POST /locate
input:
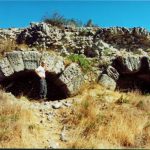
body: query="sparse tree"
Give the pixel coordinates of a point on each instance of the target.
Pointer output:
(58, 20)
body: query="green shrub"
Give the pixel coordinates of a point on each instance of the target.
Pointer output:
(58, 20)
(84, 63)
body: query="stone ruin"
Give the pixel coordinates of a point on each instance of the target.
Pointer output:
(83, 39)
(17, 75)
(128, 73)
(124, 72)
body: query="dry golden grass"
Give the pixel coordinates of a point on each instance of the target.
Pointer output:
(18, 125)
(116, 123)
(7, 45)
(11, 45)
(100, 118)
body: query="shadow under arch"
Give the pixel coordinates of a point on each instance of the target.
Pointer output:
(27, 83)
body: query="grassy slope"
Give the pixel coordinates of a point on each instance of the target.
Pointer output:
(99, 118)
(19, 125)
(106, 119)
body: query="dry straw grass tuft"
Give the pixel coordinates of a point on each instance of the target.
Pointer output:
(18, 128)
(96, 123)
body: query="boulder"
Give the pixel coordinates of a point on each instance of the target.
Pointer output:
(107, 82)
(71, 79)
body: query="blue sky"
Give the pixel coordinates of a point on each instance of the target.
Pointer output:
(103, 13)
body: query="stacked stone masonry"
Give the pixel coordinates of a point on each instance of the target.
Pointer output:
(70, 77)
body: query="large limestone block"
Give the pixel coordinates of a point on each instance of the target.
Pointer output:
(15, 59)
(71, 72)
(5, 67)
(107, 82)
(54, 63)
(72, 78)
(75, 85)
(31, 59)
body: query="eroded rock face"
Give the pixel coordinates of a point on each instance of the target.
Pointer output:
(40, 34)
(90, 41)
(128, 38)
(46, 36)
(10, 33)
(18, 63)
(114, 48)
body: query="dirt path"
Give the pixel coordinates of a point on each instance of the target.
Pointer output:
(49, 118)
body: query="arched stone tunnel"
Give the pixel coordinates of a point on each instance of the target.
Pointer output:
(28, 83)
(17, 75)
(129, 73)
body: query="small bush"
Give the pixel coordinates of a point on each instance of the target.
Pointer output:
(58, 20)
(81, 60)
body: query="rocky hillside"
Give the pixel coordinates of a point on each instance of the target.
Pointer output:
(92, 73)
(78, 38)
(117, 55)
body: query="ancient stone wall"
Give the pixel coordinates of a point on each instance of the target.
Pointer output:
(70, 77)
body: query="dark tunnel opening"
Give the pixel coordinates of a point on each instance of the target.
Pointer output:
(27, 83)
(133, 82)
(137, 79)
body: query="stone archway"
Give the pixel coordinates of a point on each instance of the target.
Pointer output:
(128, 73)
(18, 77)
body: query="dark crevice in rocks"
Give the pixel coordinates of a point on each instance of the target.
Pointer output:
(134, 81)
(134, 74)
(27, 83)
